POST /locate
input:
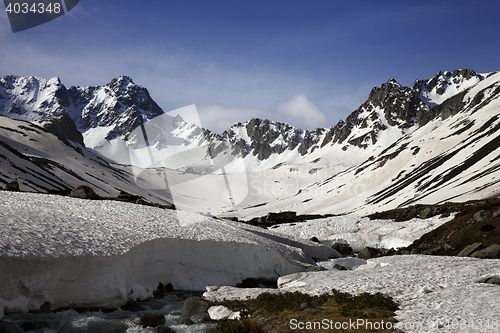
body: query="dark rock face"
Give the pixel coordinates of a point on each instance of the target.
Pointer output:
(473, 230)
(282, 216)
(133, 102)
(196, 309)
(64, 127)
(84, 192)
(12, 186)
(148, 319)
(265, 138)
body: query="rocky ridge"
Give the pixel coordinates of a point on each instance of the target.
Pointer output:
(114, 110)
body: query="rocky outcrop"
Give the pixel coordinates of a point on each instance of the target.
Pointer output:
(12, 186)
(83, 192)
(63, 126)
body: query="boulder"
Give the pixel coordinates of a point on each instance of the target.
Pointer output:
(469, 249)
(315, 239)
(482, 215)
(220, 312)
(12, 186)
(340, 268)
(425, 213)
(163, 329)
(133, 306)
(491, 252)
(170, 206)
(162, 290)
(343, 249)
(148, 319)
(369, 252)
(196, 309)
(490, 279)
(83, 192)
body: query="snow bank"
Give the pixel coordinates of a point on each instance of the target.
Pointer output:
(360, 232)
(82, 253)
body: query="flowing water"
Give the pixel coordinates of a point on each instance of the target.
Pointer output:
(118, 321)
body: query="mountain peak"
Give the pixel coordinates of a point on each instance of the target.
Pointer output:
(393, 81)
(121, 82)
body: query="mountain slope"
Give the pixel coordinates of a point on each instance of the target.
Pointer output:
(42, 162)
(450, 158)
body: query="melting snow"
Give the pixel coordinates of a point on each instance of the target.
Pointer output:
(360, 232)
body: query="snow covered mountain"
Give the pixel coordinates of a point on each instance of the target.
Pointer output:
(262, 165)
(108, 115)
(453, 156)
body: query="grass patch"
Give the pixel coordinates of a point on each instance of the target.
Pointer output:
(283, 312)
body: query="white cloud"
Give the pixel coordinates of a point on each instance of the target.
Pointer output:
(300, 110)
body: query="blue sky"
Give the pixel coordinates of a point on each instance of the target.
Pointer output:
(309, 63)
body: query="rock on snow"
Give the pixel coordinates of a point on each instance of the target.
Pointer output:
(83, 253)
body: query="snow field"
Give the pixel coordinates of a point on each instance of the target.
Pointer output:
(360, 232)
(72, 252)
